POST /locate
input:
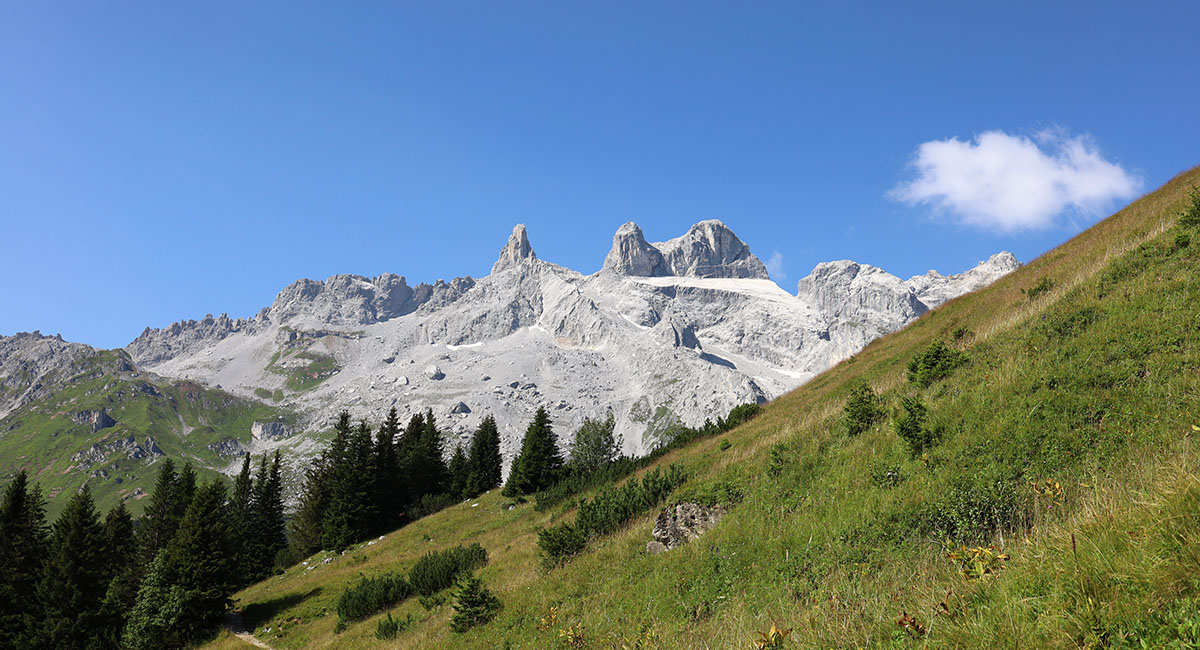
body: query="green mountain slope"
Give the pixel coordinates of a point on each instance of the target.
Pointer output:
(98, 419)
(1052, 500)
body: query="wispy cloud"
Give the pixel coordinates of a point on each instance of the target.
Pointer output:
(1013, 182)
(775, 266)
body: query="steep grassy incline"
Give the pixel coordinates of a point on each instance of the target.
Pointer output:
(1064, 440)
(145, 419)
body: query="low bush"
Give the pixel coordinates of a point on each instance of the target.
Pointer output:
(474, 604)
(912, 429)
(935, 362)
(1042, 286)
(607, 511)
(388, 628)
(863, 408)
(370, 595)
(438, 570)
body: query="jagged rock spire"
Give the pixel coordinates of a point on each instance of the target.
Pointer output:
(632, 255)
(516, 251)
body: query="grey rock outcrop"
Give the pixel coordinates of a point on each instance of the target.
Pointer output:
(270, 430)
(684, 522)
(96, 420)
(34, 366)
(631, 254)
(708, 249)
(516, 251)
(933, 288)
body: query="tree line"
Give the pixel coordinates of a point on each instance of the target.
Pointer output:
(163, 581)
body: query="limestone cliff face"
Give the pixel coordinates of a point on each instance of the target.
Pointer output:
(709, 249)
(665, 333)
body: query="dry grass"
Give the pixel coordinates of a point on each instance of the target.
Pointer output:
(825, 551)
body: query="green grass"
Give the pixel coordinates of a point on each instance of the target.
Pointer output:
(183, 418)
(1093, 386)
(318, 368)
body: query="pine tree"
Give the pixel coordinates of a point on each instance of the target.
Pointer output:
(484, 463)
(538, 465)
(351, 514)
(124, 574)
(158, 520)
(308, 525)
(189, 583)
(74, 578)
(22, 550)
(267, 532)
(389, 490)
(202, 559)
(457, 470)
(240, 514)
(427, 470)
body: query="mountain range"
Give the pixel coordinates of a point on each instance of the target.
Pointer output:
(664, 334)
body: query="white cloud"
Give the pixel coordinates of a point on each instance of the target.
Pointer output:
(1010, 183)
(775, 266)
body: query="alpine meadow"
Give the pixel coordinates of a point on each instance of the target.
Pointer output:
(1017, 468)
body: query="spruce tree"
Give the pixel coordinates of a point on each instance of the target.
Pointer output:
(351, 515)
(240, 514)
(427, 470)
(267, 532)
(389, 492)
(22, 551)
(202, 561)
(158, 520)
(484, 463)
(75, 578)
(187, 588)
(308, 525)
(124, 572)
(457, 470)
(538, 465)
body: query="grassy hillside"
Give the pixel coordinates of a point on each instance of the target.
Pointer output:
(186, 421)
(1064, 440)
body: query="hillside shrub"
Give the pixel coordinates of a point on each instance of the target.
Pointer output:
(1190, 217)
(388, 628)
(576, 481)
(1042, 286)
(474, 604)
(438, 570)
(370, 595)
(935, 362)
(911, 427)
(607, 511)
(974, 507)
(863, 408)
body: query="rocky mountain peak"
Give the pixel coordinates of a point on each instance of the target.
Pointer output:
(516, 251)
(631, 254)
(709, 249)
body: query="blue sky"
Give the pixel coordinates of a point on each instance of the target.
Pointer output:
(161, 161)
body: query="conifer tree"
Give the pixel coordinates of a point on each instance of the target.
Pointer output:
(158, 520)
(124, 574)
(75, 577)
(351, 514)
(484, 463)
(308, 525)
(427, 470)
(188, 586)
(457, 471)
(267, 532)
(240, 513)
(538, 465)
(22, 548)
(388, 488)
